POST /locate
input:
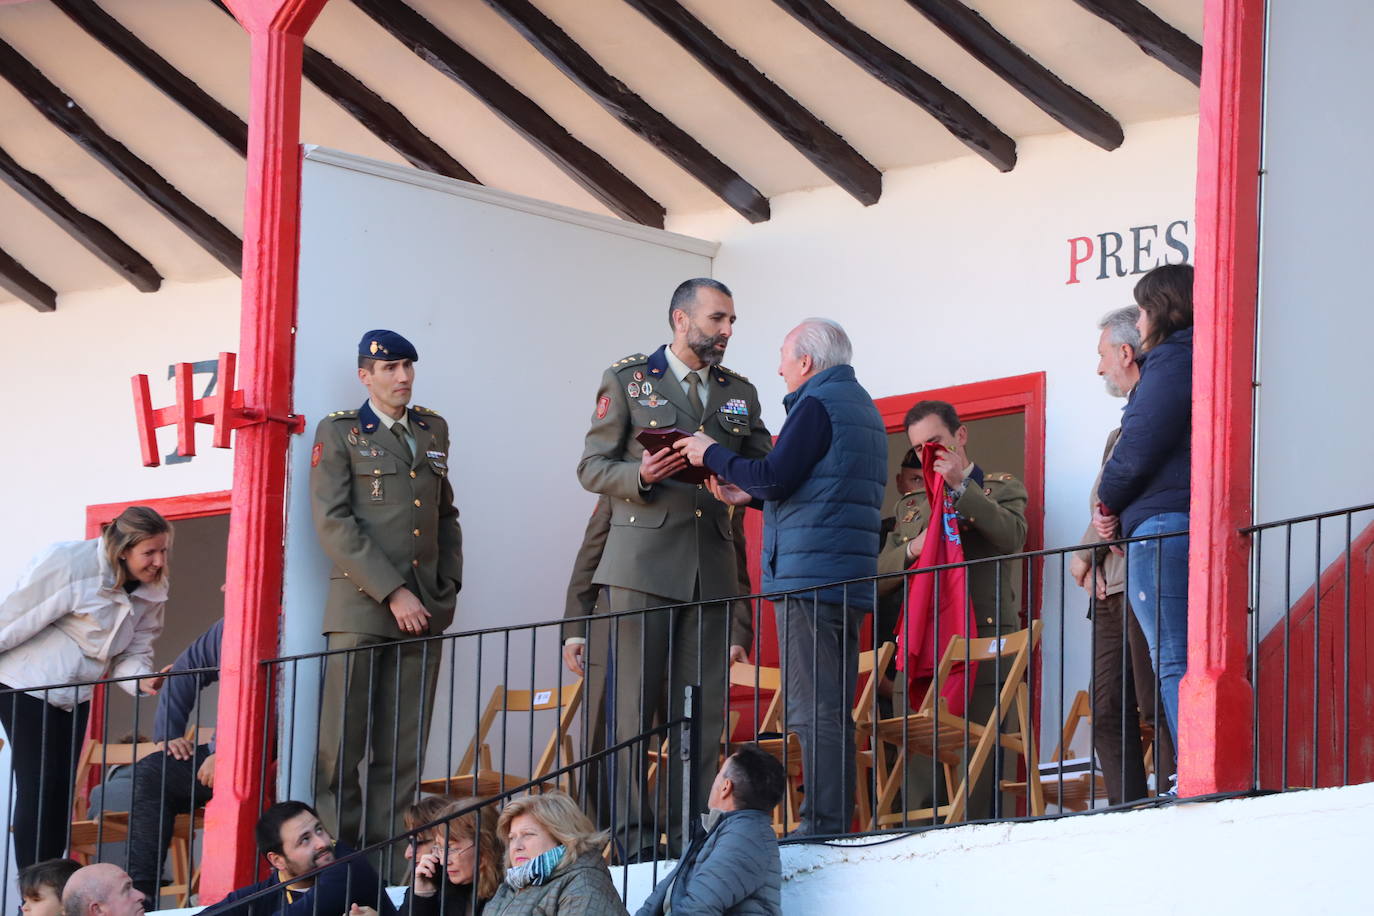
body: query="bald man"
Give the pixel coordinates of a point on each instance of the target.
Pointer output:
(101, 890)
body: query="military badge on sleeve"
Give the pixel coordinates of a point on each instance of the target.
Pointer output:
(603, 404)
(315, 454)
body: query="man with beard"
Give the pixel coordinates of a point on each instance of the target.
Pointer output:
(295, 843)
(670, 542)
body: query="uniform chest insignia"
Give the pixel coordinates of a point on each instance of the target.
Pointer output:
(910, 516)
(647, 388)
(735, 407)
(377, 490)
(632, 389)
(639, 375)
(431, 453)
(353, 438)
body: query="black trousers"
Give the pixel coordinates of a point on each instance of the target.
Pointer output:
(45, 742)
(163, 788)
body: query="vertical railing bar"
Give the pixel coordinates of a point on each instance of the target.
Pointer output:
(1287, 637)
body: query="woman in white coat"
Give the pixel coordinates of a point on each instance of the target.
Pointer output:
(84, 610)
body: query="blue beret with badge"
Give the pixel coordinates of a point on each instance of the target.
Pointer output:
(386, 346)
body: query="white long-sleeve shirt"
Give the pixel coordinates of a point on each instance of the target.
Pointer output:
(66, 621)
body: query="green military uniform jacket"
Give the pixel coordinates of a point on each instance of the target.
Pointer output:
(583, 592)
(992, 523)
(664, 537)
(385, 522)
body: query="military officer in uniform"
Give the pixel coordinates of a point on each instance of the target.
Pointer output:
(992, 523)
(384, 514)
(669, 543)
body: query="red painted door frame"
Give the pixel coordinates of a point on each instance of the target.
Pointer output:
(1216, 702)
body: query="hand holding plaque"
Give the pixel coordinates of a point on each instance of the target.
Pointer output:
(655, 440)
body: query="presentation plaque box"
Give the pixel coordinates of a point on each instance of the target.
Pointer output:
(655, 440)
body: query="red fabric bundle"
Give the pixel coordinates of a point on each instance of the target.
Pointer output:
(917, 653)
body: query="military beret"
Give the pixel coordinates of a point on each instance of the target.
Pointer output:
(386, 346)
(911, 460)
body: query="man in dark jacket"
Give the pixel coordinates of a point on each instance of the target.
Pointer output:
(295, 843)
(821, 489)
(180, 778)
(732, 867)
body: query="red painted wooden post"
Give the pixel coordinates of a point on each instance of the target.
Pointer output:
(1216, 701)
(252, 601)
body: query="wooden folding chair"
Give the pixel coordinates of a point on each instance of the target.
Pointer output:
(789, 752)
(934, 731)
(476, 774)
(1076, 788)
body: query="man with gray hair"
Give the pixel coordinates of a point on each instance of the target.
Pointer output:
(821, 491)
(101, 890)
(1102, 572)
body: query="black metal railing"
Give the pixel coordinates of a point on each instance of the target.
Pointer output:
(92, 776)
(1048, 702)
(1312, 598)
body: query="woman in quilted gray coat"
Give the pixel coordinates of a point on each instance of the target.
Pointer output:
(554, 862)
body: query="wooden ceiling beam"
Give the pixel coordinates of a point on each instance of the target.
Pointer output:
(384, 120)
(889, 67)
(63, 112)
(578, 161)
(93, 235)
(378, 115)
(825, 148)
(15, 278)
(1027, 76)
(167, 79)
(1155, 37)
(631, 110)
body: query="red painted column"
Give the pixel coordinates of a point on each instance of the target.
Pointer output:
(252, 601)
(1216, 702)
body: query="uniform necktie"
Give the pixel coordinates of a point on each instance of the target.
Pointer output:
(399, 432)
(694, 395)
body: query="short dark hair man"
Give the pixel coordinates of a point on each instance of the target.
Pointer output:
(732, 866)
(668, 543)
(384, 515)
(821, 490)
(992, 523)
(295, 843)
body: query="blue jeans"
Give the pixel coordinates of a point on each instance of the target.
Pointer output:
(1158, 586)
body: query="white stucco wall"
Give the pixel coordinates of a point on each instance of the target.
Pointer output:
(1225, 857)
(72, 408)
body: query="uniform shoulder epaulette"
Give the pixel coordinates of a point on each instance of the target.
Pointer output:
(418, 409)
(728, 371)
(344, 413)
(634, 360)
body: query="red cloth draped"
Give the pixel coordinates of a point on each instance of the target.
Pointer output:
(917, 653)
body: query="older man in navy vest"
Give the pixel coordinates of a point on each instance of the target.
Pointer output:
(821, 491)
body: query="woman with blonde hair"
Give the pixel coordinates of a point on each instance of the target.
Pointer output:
(462, 845)
(553, 854)
(82, 611)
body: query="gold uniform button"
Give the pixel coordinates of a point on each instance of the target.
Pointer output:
(700, 487)
(376, 472)
(414, 562)
(989, 620)
(698, 513)
(416, 532)
(653, 422)
(412, 474)
(417, 504)
(632, 519)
